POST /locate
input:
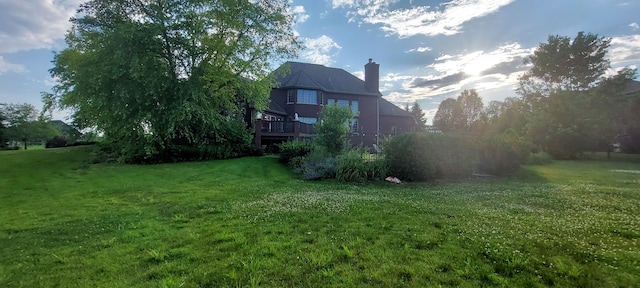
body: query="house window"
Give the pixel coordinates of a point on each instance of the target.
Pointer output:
(321, 98)
(355, 125)
(343, 103)
(290, 96)
(308, 120)
(354, 107)
(307, 96)
(331, 101)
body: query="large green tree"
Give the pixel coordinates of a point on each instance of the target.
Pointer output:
(168, 80)
(565, 64)
(461, 114)
(564, 90)
(471, 106)
(449, 115)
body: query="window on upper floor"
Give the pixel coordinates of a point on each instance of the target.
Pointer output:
(354, 108)
(343, 103)
(307, 96)
(346, 103)
(308, 120)
(290, 97)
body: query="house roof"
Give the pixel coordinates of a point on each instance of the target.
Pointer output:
(389, 109)
(319, 77)
(632, 87)
(275, 108)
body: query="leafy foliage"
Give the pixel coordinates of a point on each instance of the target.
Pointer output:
(317, 165)
(354, 166)
(449, 115)
(566, 64)
(539, 158)
(294, 149)
(169, 80)
(502, 154)
(471, 108)
(429, 157)
(22, 123)
(418, 115)
(331, 131)
(461, 114)
(56, 142)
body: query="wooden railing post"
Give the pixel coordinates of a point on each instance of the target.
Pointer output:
(296, 129)
(258, 135)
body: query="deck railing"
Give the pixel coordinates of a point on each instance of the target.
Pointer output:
(281, 129)
(286, 127)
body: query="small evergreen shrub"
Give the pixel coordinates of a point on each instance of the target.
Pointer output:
(294, 149)
(540, 158)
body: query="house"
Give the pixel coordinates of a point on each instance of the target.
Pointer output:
(297, 103)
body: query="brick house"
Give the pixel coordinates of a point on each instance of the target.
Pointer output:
(297, 103)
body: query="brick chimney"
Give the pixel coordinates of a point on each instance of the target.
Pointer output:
(372, 77)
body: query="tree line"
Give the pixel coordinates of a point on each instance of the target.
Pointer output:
(566, 103)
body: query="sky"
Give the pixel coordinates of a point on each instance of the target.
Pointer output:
(427, 50)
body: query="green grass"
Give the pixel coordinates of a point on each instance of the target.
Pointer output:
(250, 222)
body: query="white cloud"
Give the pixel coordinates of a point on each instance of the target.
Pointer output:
(634, 26)
(624, 50)
(478, 62)
(6, 67)
(34, 24)
(447, 19)
(320, 50)
(300, 14)
(359, 74)
(494, 70)
(419, 49)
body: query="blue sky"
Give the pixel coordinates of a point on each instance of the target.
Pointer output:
(427, 50)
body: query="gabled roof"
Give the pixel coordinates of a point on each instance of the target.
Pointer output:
(319, 77)
(389, 109)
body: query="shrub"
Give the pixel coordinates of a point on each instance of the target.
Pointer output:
(11, 148)
(319, 168)
(292, 149)
(540, 158)
(354, 167)
(55, 142)
(503, 153)
(428, 156)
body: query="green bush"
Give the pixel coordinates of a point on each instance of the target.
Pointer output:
(503, 153)
(428, 156)
(540, 158)
(319, 168)
(353, 167)
(318, 164)
(291, 150)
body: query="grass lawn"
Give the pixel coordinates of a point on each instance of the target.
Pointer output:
(250, 222)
